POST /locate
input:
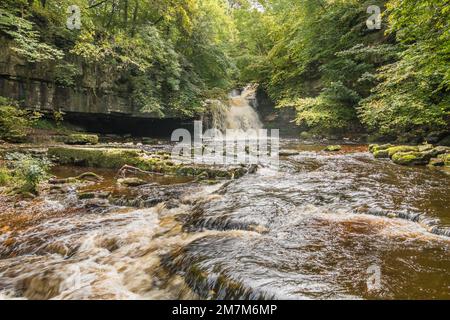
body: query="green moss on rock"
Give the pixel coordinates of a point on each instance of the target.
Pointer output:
(376, 147)
(409, 158)
(158, 163)
(81, 139)
(401, 149)
(446, 158)
(333, 148)
(96, 157)
(425, 147)
(381, 154)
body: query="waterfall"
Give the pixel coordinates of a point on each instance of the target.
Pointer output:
(237, 115)
(241, 115)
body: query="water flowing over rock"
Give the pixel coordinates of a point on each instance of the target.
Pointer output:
(238, 114)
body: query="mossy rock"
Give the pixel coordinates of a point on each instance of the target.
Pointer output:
(381, 154)
(425, 147)
(403, 149)
(409, 158)
(333, 148)
(305, 135)
(437, 162)
(117, 158)
(376, 147)
(446, 158)
(81, 139)
(97, 157)
(86, 195)
(372, 147)
(436, 152)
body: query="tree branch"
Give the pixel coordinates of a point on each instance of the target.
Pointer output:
(97, 4)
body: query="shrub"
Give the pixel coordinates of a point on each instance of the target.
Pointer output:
(5, 176)
(14, 123)
(28, 172)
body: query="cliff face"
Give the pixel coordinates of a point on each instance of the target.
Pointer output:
(273, 118)
(94, 102)
(35, 85)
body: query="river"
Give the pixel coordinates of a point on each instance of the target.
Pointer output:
(318, 227)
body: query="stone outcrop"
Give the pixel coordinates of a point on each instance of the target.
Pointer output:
(413, 155)
(156, 163)
(95, 99)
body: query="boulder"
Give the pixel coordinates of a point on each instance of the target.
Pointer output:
(381, 154)
(81, 139)
(445, 158)
(305, 135)
(435, 152)
(376, 147)
(402, 149)
(425, 147)
(159, 163)
(410, 158)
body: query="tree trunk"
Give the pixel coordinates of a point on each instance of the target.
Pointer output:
(125, 14)
(135, 14)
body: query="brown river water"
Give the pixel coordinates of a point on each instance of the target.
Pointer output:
(310, 230)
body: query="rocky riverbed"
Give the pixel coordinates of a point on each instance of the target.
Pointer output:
(311, 228)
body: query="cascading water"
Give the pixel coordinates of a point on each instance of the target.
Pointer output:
(241, 115)
(238, 114)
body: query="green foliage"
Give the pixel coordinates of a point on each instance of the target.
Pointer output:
(5, 176)
(15, 123)
(65, 74)
(26, 39)
(28, 172)
(413, 93)
(167, 56)
(320, 58)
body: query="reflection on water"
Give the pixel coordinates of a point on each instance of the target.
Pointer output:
(306, 231)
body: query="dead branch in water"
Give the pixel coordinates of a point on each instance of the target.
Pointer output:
(130, 169)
